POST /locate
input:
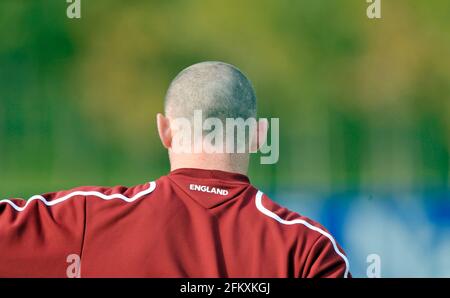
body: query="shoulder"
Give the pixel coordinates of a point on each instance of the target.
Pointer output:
(119, 192)
(280, 215)
(318, 244)
(73, 196)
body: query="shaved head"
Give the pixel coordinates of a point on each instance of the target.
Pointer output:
(218, 89)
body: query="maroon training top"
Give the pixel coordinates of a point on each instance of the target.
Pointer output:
(190, 223)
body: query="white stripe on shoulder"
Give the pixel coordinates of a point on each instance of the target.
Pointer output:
(265, 211)
(151, 187)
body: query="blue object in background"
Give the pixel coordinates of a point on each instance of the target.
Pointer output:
(410, 232)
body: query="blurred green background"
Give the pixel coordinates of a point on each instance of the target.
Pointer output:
(363, 104)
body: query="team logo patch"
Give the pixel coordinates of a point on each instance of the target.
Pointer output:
(208, 189)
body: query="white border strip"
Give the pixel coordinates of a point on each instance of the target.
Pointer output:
(265, 211)
(152, 186)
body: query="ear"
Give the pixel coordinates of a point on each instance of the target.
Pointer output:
(261, 135)
(164, 131)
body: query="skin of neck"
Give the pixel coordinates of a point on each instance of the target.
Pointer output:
(235, 163)
(228, 162)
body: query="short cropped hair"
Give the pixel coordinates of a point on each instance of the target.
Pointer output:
(218, 89)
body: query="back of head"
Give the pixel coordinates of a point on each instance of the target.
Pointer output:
(218, 89)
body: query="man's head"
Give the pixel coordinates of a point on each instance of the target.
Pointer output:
(220, 91)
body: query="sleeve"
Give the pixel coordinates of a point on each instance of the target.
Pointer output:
(42, 237)
(326, 259)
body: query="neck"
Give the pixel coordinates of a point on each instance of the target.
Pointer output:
(235, 163)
